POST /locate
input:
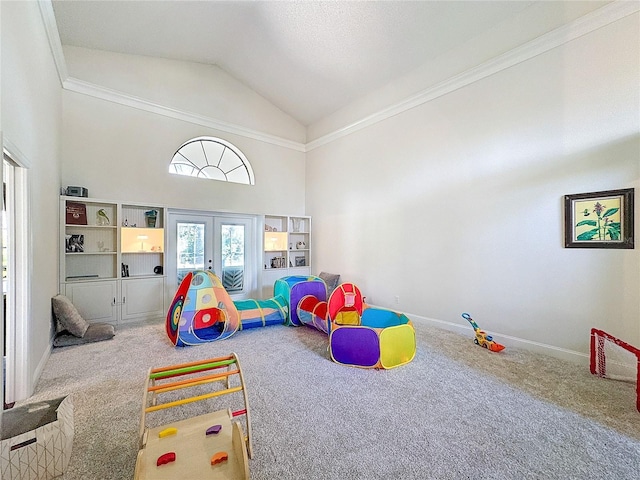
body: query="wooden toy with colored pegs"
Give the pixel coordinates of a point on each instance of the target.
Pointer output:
(209, 446)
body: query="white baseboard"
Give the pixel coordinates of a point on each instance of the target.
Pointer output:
(38, 371)
(506, 340)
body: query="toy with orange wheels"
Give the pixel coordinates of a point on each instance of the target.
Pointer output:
(482, 338)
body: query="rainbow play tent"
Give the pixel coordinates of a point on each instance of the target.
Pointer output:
(202, 311)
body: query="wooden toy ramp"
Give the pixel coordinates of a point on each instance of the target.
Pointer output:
(208, 446)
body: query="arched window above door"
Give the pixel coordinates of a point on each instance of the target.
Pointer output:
(213, 158)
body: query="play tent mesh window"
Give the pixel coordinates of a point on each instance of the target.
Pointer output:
(213, 158)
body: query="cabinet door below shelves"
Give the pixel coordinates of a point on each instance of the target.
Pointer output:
(269, 278)
(142, 298)
(95, 301)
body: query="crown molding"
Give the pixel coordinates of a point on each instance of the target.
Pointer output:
(581, 26)
(86, 88)
(51, 27)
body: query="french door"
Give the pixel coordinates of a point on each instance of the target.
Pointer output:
(223, 244)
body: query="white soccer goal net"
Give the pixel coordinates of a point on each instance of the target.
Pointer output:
(615, 359)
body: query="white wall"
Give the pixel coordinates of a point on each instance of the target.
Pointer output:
(31, 115)
(190, 87)
(456, 205)
(533, 21)
(122, 153)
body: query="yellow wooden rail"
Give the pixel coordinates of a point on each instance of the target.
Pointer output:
(192, 399)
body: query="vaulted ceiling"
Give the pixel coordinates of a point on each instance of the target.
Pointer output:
(312, 58)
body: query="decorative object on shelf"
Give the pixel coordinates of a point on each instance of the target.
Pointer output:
(278, 262)
(124, 270)
(150, 218)
(295, 225)
(77, 192)
(275, 241)
(599, 219)
(157, 270)
(102, 219)
(269, 228)
(142, 238)
(74, 243)
(301, 245)
(76, 213)
(301, 262)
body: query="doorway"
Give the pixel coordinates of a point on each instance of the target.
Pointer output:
(15, 286)
(224, 244)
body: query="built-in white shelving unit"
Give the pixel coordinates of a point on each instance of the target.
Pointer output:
(286, 248)
(112, 259)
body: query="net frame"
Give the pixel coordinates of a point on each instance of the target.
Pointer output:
(598, 361)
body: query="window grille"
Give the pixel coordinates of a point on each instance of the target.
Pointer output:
(213, 158)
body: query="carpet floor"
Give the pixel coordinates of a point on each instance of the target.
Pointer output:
(456, 411)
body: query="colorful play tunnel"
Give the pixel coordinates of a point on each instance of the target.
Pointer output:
(202, 311)
(384, 339)
(359, 336)
(294, 287)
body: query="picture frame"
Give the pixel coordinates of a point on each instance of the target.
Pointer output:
(599, 219)
(76, 213)
(301, 261)
(74, 243)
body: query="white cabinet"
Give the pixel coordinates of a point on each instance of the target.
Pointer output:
(142, 298)
(95, 301)
(112, 259)
(286, 249)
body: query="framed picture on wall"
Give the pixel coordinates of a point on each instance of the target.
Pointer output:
(599, 219)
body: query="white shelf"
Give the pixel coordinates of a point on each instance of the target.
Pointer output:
(280, 241)
(75, 225)
(93, 277)
(79, 254)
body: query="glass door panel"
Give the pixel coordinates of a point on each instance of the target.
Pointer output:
(232, 257)
(190, 247)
